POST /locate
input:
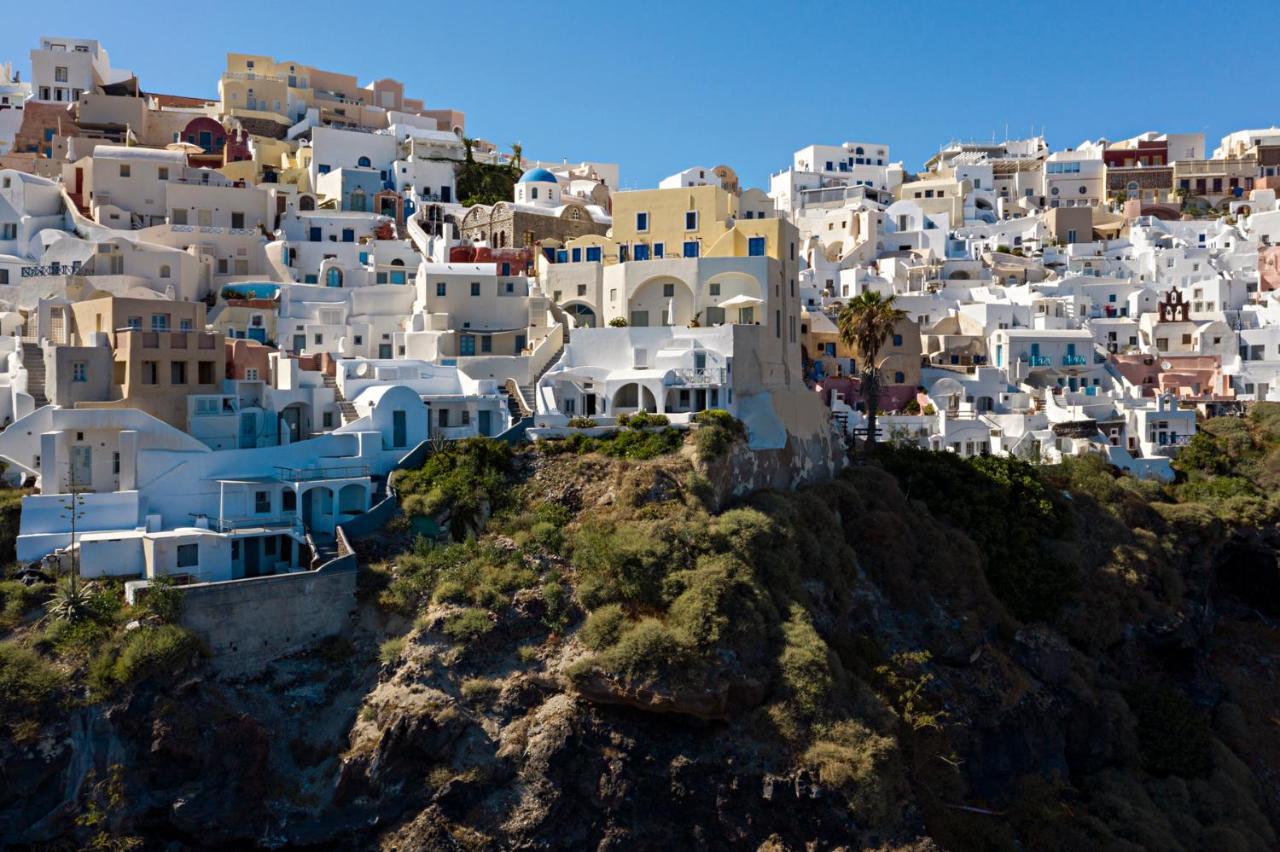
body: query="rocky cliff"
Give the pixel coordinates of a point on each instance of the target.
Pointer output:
(923, 652)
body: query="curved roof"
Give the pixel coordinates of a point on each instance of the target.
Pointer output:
(538, 175)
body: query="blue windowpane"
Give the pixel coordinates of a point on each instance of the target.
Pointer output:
(755, 247)
(593, 254)
(642, 252)
(562, 256)
(691, 249)
(577, 255)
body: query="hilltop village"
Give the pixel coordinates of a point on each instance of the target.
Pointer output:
(225, 322)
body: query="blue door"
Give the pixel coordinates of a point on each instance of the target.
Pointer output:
(468, 345)
(485, 422)
(299, 342)
(520, 341)
(259, 334)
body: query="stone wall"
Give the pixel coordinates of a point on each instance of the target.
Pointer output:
(247, 623)
(810, 460)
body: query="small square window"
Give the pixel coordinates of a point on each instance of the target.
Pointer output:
(188, 555)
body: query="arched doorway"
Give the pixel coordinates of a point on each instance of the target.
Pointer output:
(634, 397)
(333, 278)
(583, 315)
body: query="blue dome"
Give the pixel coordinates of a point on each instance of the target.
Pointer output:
(537, 176)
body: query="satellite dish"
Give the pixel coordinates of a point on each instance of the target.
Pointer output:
(363, 370)
(1165, 365)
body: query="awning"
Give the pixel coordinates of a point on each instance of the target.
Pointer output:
(741, 302)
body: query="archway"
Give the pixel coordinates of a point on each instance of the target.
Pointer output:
(634, 397)
(351, 499)
(661, 301)
(306, 202)
(583, 315)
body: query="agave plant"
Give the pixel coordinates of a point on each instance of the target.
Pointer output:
(71, 600)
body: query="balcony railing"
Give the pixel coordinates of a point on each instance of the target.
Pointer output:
(1037, 360)
(1074, 360)
(700, 375)
(310, 474)
(229, 525)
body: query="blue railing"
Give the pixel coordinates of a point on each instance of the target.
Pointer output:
(1073, 360)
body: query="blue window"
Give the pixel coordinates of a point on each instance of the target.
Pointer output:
(323, 168)
(691, 248)
(475, 288)
(48, 134)
(899, 378)
(642, 251)
(333, 278)
(691, 220)
(755, 247)
(348, 235)
(550, 254)
(622, 254)
(1111, 298)
(397, 277)
(364, 257)
(593, 254)
(364, 163)
(897, 340)
(314, 235)
(308, 279)
(577, 255)
(642, 221)
(658, 249)
(442, 289)
(562, 256)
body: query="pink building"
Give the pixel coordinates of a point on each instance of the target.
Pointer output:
(1184, 376)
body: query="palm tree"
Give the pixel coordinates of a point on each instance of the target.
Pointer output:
(865, 323)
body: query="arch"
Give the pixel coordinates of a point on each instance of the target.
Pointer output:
(364, 163)
(634, 396)
(166, 271)
(351, 499)
(584, 316)
(655, 296)
(958, 275)
(333, 278)
(306, 202)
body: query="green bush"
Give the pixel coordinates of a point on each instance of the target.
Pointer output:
(719, 601)
(389, 651)
(17, 599)
(29, 684)
(620, 561)
(468, 625)
(144, 653)
(805, 665)
(469, 572)
(618, 322)
(581, 422)
(718, 430)
(604, 627)
(643, 420)
(1173, 735)
(558, 606)
(649, 651)
(628, 444)
(463, 478)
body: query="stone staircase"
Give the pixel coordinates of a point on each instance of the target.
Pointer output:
(527, 390)
(33, 360)
(347, 410)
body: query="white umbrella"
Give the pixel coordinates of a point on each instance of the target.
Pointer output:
(741, 302)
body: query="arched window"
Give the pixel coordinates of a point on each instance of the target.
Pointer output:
(333, 277)
(306, 202)
(364, 163)
(858, 151)
(165, 271)
(397, 273)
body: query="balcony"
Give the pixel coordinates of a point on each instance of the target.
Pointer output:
(1036, 360)
(1074, 360)
(311, 474)
(699, 376)
(230, 525)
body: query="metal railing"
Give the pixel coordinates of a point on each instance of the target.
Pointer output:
(310, 474)
(701, 375)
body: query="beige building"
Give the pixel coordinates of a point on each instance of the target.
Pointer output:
(161, 353)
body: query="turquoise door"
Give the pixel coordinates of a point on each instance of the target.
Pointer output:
(486, 418)
(468, 345)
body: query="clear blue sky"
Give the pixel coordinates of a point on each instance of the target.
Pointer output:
(660, 86)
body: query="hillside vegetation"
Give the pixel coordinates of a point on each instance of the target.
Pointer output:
(925, 652)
